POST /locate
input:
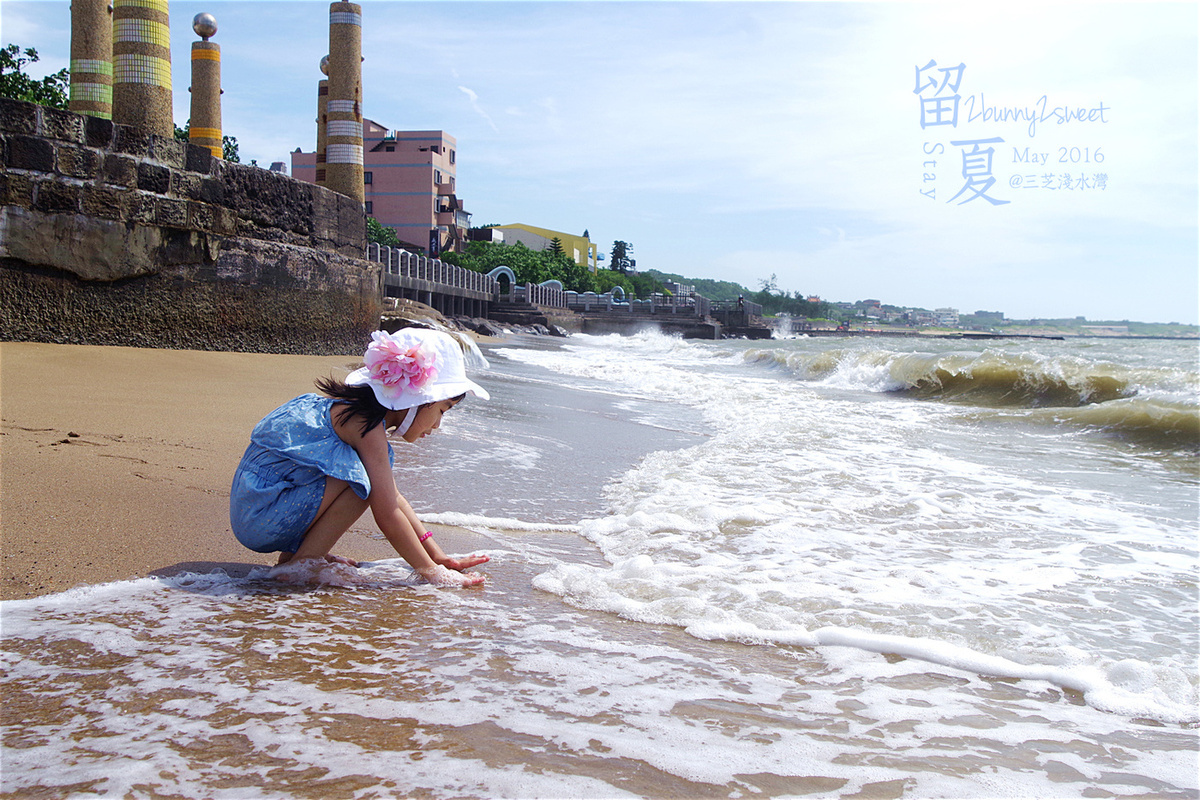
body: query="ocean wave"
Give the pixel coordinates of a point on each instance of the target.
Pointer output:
(1156, 423)
(641, 590)
(991, 378)
(455, 519)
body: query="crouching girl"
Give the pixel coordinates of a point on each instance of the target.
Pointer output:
(316, 463)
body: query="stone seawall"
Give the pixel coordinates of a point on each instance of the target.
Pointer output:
(112, 237)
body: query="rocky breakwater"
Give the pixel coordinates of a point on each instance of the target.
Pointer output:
(110, 236)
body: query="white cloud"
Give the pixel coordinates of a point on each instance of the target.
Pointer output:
(478, 109)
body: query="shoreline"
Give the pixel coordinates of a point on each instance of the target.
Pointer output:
(116, 461)
(914, 334)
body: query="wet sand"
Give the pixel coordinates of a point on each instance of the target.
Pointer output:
(115, 462)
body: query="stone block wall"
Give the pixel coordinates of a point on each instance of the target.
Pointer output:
(110, 236)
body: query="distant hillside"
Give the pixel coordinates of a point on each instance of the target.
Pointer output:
(1079, 326)
(774, 302)
(713, 290)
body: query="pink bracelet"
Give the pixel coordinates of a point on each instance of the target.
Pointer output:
(424, 536)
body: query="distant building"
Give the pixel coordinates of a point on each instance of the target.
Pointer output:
(918, 317)
(946, 317)
(492, 234)
(410, 183)
(280, 167)
(577, 248)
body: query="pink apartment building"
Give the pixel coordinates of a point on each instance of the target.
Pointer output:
(410, 185)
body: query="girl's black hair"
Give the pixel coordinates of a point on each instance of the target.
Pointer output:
(358, 401)
(355, 401)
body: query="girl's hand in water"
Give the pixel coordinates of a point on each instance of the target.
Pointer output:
(464, 563)
(439, 575)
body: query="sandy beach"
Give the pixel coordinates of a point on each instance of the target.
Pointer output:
(115, 462)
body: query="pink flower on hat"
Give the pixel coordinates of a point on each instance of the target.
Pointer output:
(397, 368)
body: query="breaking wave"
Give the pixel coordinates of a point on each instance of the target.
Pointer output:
(1153, 406)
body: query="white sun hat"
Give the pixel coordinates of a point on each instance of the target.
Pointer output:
(414, 366)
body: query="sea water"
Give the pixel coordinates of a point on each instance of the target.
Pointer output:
(816, 566)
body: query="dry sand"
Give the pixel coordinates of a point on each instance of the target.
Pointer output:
(115, 462)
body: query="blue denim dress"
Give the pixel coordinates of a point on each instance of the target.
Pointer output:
(280, 481)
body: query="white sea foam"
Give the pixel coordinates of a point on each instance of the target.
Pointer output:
(350, 686)
(478, 522)
(804, 510)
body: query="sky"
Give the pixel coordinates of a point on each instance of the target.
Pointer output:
(849, 150)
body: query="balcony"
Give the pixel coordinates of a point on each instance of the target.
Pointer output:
(446, 189)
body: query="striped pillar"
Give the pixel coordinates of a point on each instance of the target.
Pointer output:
(322, 102)
(343, 128)
(142, 66)
(91, 58)
(205, 128)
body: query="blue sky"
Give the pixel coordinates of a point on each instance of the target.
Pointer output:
(740, 140)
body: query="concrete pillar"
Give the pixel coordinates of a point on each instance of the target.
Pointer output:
(142, 66)
(91, 58)
(205, 127)
(322, 114)
(344, 139)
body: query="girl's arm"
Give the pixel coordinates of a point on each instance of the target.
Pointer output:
(392, 512)
(431, 547)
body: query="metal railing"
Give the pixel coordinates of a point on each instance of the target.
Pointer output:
(540, 295)
(412, 265)
(658, 303)
(405, 264)
(737, 306)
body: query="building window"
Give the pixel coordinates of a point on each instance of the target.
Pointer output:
(370, 207)
(367, 177)
(451, 156)
(389, 148)
(437, 177)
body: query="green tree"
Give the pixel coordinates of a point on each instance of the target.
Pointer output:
(619, 259)
(556, 247)
(49, 91)
(529, 266)
(229, 144)
(606, 279)
(575, 277)
(381, 234)
(645, 285)
(712, 289)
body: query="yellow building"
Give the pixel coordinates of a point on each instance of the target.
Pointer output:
(578, 248)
